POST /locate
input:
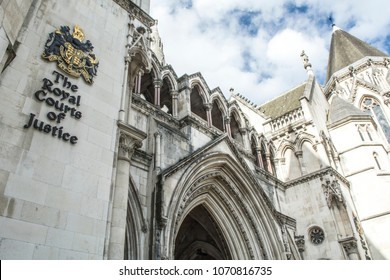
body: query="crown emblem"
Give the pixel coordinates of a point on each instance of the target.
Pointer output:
(72, 54)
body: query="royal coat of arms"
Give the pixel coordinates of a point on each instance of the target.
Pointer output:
(73, 56)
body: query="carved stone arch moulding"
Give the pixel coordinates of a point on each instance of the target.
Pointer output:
(218, 185)
(211, 176)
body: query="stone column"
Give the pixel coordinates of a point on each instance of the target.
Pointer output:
(259, 157)
(350, 248)
(269, 164)
(227, 126)
(245, 139)
(157, 89)
(174, 95)
(298, 154)
(138, 82)
(130, 139)
(122, 111)
(157, 151)
(209, 107)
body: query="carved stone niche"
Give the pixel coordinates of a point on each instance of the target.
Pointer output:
(130, 138)
(332, 191)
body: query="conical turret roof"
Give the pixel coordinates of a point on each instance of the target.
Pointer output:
(346, 49)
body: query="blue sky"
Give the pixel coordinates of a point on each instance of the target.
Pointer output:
(254, 46)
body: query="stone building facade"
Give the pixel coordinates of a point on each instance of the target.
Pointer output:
(105, 153)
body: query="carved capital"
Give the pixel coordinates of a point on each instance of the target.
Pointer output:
(350, 246)
(157, 83)
(208, 106)
(130, 138)
(174, 94)
(127, 145)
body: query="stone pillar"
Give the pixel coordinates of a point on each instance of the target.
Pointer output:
(350, 248)
(157, 151)
(130, 139)
(174, 95)
(122, 111)
(298, 154)
(245, 139)
(157, 89)
(138, 82)
(259, 157)
(209, 107)
(227, 126)
(269, 164)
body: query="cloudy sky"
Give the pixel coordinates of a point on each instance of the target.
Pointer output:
(254, 46)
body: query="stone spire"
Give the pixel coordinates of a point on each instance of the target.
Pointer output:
(346, 49)
(156, 44)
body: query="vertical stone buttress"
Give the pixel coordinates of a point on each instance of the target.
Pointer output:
(130, 139)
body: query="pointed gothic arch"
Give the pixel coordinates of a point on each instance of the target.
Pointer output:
(198, 99)
(217, 114)
(249, 231)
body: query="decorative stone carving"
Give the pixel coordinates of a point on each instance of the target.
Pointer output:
(136, 11)
(350, 247)
(332, 191)
(300, 242)
(127, 145)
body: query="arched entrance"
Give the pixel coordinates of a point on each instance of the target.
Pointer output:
(200, 238)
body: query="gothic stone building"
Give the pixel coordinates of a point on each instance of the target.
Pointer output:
(105, 153)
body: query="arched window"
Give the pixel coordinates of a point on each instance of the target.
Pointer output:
(235, 129)
(216, 116)
(165, 96)
(373, 107)
(292, 168)
(147, 87)
(197, 106)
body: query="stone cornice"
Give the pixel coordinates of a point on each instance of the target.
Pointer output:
(136, 11)
(350, 119)
(147, 108)
(316, 175)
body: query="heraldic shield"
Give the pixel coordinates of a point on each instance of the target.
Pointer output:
(72, 55)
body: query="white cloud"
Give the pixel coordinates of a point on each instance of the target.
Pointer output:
(255, 46)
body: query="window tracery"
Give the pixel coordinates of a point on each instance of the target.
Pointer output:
(316, 235)
(372, 106)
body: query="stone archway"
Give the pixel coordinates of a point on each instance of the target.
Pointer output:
(200, 238)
